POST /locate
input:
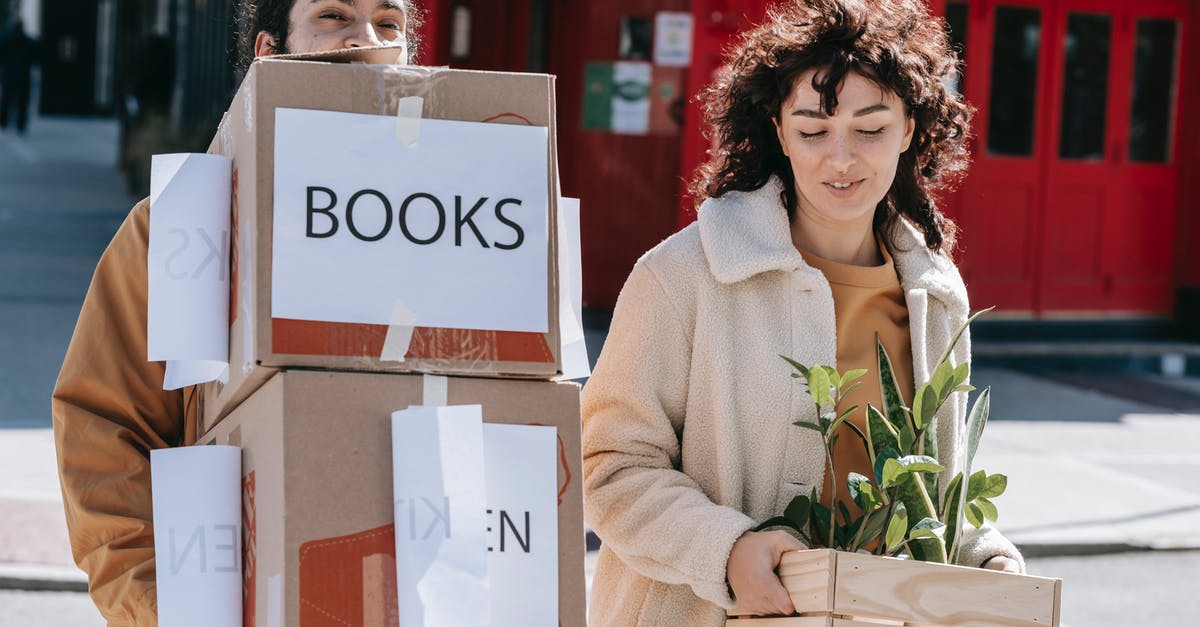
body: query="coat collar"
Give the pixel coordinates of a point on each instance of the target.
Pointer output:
(744, 234)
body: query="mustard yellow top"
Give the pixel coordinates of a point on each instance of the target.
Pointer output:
(866, 301)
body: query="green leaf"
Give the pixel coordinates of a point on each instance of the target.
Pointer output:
(995, 486)
(927, 540)
(919, 463)
(961, 372)
(862, 492)
(976, 421)
(976, 484)
(892, 472)
(872, 528)
(882, 434)
(925, 405)
(818, 386)
(851, 375)
(841, 419)
(897, 528)
(797, 510)
(974, 514)
(928, 528)
(797, 365)
(961, 330)
(826, 419)
(893, 401)
(881, 461)
(809, 425)
(778, 521)
(941, 379)
(845, 511)
(853, 386)
(821, 520)
(989, 509)
(965, 388)
(951, 515)
(906, 438)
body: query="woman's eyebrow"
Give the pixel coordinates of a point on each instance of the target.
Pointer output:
(820, 115)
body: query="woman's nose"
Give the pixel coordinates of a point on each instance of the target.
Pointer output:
(841, 155)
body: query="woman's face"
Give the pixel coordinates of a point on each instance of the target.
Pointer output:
(844, 163)
(321, 25)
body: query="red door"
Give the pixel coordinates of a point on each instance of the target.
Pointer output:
(1070, 204)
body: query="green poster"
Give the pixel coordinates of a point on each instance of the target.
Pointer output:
(597, 96)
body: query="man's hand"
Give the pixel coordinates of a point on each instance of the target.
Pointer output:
(751, 572)
(1001, 563)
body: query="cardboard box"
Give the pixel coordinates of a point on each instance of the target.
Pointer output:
(835, 588)
(261, 343)
(317, 489)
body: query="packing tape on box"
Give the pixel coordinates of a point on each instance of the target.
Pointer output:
(434, 390)
(408, 119)
(399, 333)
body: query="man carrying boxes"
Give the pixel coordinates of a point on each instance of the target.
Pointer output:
(314, 475)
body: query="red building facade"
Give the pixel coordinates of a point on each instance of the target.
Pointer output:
(1082, 198)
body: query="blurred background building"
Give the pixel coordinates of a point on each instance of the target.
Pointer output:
(1082, 205)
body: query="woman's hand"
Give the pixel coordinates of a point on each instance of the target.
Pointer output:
(751, 572)
(1001, 563)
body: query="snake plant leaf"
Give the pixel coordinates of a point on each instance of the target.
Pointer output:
(976, 421)
(882, 435)
(960, 331)
(994, 486)
(988, 508)
(881, 461)
(912, 492)
(974, 514)
(893, 402)
(851, 375)
(803, 370)
(819, 385)
(952, 516)
(924, 406)
(797, 511)
(897, 528)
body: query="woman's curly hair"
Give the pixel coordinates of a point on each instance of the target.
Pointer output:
(272, 16)
(896, 44)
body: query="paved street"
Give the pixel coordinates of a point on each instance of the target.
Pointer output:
(1095, 468)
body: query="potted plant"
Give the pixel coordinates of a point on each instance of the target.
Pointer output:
(893, 561)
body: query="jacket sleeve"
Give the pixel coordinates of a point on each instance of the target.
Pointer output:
(109, 411)
(654, 517)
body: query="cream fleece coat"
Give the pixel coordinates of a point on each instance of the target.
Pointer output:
(687, 432)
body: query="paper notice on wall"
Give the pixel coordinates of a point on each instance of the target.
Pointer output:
(570, 304)
(672, 39)
(187, 267)
(440, 500)
(196, 493)
(631, 97)
(522, 521)
(456, 226)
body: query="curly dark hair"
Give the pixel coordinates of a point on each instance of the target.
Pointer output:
(896, 44)
(272, 16)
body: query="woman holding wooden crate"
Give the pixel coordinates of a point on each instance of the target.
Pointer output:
(817, 232)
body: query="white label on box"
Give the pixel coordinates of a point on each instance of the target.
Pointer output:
(570, 294)
(456, 226)
(187, 267)
(196, 493)
(439, 497)
(522, 521)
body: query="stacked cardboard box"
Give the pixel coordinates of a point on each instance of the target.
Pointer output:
(310, 401)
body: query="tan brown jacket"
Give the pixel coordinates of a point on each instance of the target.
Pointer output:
(109, 411)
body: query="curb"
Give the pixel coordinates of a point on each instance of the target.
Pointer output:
(41, 578)
(1066, 549)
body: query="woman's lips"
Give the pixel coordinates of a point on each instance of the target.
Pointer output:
(841, 189)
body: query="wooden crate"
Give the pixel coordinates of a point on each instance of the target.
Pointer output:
(838, 589)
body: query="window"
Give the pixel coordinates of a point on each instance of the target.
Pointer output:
(1014, 81)
(1085, 86)
(1153, 90)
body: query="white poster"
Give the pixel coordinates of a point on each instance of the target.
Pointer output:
(454, 226)
(631, 97)
(522, 521)
(197, 501)
(187, 267)
(439, 496)
(672, 39)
